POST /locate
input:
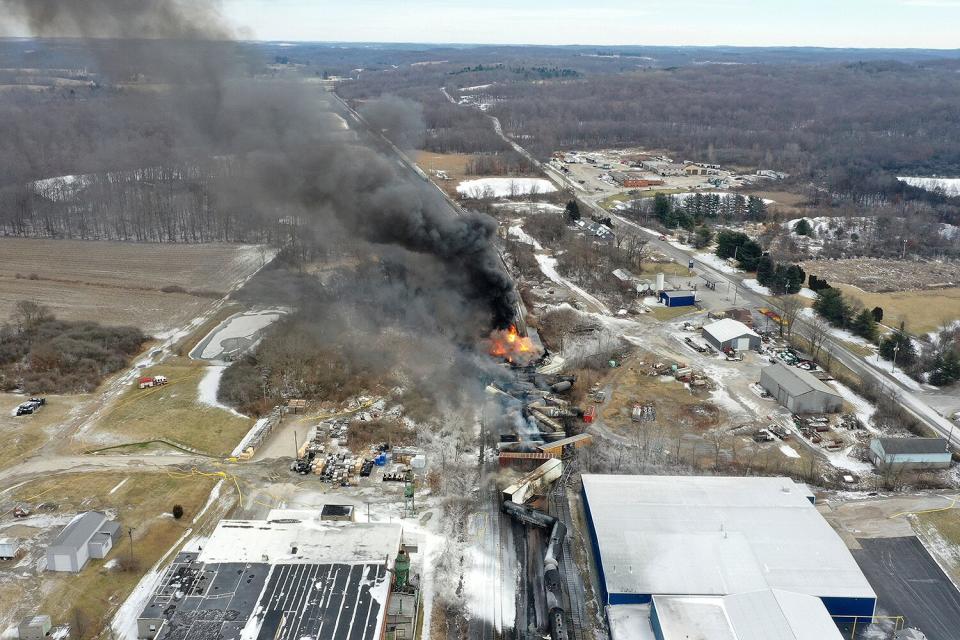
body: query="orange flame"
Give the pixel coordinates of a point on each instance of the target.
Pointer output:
(511, 346)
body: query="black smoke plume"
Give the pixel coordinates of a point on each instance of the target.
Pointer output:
(419, 268)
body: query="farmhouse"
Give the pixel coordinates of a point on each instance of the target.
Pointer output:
(89, 535)
(682, 545)
(909, 454)
(798, 390)
(730, 334)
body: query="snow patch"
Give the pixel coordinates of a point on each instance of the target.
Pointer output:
(716, 262)
(950, 186)
(517, 232)
(119, 484)
(548, 265)
(753, 285)
(208, 387)
(788, 451)
(504, 187)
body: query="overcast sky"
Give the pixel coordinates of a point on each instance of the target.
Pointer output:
(827, 23)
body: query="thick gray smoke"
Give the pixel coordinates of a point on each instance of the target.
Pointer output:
(423, 271)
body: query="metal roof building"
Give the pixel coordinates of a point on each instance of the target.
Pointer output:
(730, 333)
(770, 614)
(88, 535)
(678, 298)
(798, 390)
(717, 536)
(910, 453)
(289, 577)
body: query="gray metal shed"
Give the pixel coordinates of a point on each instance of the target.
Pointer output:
(730, 333)
(910, 453)
(34, 627)
(88, 535)
(799, 391)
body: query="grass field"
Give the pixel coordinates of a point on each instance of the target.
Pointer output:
(120, 283)
(171, 411)
(669, 313)
(941, 530)
(455, 164)
(142, 502)
(923, 311)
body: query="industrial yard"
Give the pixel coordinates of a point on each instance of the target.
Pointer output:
(469, 343)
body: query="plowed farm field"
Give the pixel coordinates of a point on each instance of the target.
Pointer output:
(156, 287)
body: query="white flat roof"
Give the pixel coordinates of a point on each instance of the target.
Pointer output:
(316, 542)
(696, 535)
(759, 615)
(728, 329)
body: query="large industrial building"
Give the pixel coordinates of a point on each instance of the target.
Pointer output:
(292, 576)
(657, 537)
(799, 390)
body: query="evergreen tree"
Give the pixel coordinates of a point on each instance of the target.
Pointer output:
(756, 208)
(900, 343)
(765, 267)
(729, 243)
(864, 325)
(750, 252)
(778, 280)
(946, 369)
(803, 228)
(573, 210)
(663, 209)
(877, 314)
(832, 307)
(702, 237)
(795, 278)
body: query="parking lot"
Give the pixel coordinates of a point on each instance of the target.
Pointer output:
(909, 583)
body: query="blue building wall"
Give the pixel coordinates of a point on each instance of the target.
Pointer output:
(655, 622)
(859, 607)
(595, 545)
(677, 301)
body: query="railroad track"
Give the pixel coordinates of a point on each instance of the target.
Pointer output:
(575, 597)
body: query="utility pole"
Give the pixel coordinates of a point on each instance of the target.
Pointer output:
(893, 368)
(296, 445)
(130, 534)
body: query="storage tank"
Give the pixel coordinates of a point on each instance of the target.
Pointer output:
(660, 282)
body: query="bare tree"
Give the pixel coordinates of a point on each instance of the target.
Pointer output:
(789, 308)
(818, 333)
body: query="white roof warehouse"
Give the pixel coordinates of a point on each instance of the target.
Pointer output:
(717, 536)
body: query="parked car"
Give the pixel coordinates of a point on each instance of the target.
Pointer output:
(30, 406)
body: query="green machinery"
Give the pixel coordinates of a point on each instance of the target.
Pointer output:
(409, 492)
(401, 570)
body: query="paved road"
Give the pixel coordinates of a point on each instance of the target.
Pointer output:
(886, 384)
(909, 583)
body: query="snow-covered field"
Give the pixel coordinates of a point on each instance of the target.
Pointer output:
(504, 187)
(950, 186)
